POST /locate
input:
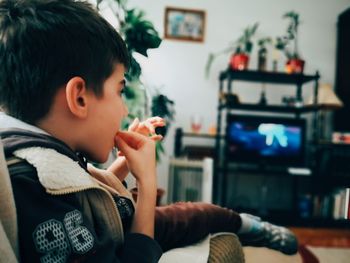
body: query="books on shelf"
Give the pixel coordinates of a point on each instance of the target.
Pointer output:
(335, 205)
(341, 137)
(347, 204)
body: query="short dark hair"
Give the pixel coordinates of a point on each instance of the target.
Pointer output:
(43, 44)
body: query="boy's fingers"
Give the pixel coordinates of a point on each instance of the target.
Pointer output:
(132, 139)
(158, 124)
(156, 119)
(122, 146)
(149, 127)
(134, 124)
(157, 137)
(91, 168)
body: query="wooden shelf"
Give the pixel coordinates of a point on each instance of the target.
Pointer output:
(271, 108)
(267, 77)
(332, 145)
(256, 171)
(199, 135)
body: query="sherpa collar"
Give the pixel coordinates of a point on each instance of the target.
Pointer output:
(56, 171)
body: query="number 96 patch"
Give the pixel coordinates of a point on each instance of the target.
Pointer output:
(56, 239)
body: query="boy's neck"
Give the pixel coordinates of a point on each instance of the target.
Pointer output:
(60, 130)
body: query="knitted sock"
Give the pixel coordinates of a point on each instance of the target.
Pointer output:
(255, 232)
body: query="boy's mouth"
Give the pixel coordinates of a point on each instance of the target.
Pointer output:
(115, 140)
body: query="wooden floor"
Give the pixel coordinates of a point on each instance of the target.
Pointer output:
(323, 237)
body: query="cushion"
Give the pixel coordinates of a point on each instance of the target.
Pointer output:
(218, 248)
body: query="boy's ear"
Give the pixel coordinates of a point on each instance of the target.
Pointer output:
(77, 97)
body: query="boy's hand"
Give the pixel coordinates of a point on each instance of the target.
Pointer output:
(139, 152)
(147, 127)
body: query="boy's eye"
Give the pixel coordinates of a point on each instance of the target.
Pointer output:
(122, 90)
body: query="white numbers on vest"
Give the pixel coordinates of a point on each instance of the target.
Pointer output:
(56, 239)
(80, 238)
(49, 237)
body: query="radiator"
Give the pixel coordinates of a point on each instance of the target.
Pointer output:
(190, 180)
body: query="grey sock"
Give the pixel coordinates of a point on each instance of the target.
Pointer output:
(255, 232)
(250, 224)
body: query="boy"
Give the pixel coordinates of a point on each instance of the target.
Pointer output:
(61, 84)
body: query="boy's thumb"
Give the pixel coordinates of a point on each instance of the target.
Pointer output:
(122, 146)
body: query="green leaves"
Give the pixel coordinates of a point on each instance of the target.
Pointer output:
(283, 43)
(244, 43)
(163, 107)
(134, 71)
(140, 34)
(210, 60)
(263, 41)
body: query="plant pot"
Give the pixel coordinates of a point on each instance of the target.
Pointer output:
(295, 65)
(160, 193)
(239, 61)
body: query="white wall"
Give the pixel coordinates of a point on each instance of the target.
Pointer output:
(178, 66)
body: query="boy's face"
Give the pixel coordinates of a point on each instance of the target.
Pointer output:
(106, 114)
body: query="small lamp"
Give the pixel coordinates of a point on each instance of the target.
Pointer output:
(328, 101)
(327, 98)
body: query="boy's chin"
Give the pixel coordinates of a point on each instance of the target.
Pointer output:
(101, 158)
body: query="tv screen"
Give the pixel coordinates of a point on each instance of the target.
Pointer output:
(268, 140)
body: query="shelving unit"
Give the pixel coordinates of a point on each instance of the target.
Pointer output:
(324, 154)
(222, 164)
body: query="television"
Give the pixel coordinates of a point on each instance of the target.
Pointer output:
(265, 140)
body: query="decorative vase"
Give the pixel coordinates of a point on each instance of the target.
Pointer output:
(239, 61)
(295, 65)
(262, 57)
(160, 193)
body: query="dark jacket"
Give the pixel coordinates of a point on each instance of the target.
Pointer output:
(65, 215)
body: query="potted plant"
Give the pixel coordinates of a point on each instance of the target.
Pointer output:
(244, 45)
(163, 107)
(289, 44)
(140, 36)
(240, 50)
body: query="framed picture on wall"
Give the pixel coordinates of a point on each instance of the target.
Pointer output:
(184, 24)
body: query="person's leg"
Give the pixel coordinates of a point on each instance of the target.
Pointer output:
(182, 224)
